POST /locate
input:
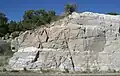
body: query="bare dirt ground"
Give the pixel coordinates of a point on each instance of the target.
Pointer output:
(39, 74)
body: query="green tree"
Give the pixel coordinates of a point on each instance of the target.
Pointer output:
(28, 14)
(12, 26)
(3, 24)
(51, 16)
(42, 16)
(70, 8)
(3, 19)
(32, 18)
(26, 26)
(3, 30)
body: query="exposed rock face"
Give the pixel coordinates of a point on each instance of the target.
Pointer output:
(23, 57)
(77, 43)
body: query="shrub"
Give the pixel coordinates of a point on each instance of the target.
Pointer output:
(113, 13)
(69, 8)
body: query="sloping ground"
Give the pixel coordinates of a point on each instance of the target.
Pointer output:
(79, 42)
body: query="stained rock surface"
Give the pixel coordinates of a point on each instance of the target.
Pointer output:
(78, 42)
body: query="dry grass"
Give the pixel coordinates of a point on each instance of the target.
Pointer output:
(4, 60)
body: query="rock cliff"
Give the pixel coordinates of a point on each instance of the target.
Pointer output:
(79, 42)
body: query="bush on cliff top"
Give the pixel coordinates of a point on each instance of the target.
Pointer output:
(113, 13)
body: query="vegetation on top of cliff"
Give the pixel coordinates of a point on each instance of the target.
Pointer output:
(113, 13)
(34, 18)
(31, 19)
(69, 8)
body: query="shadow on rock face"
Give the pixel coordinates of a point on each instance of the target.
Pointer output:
(98, 43)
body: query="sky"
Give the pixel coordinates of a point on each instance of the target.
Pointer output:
(14, 9)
